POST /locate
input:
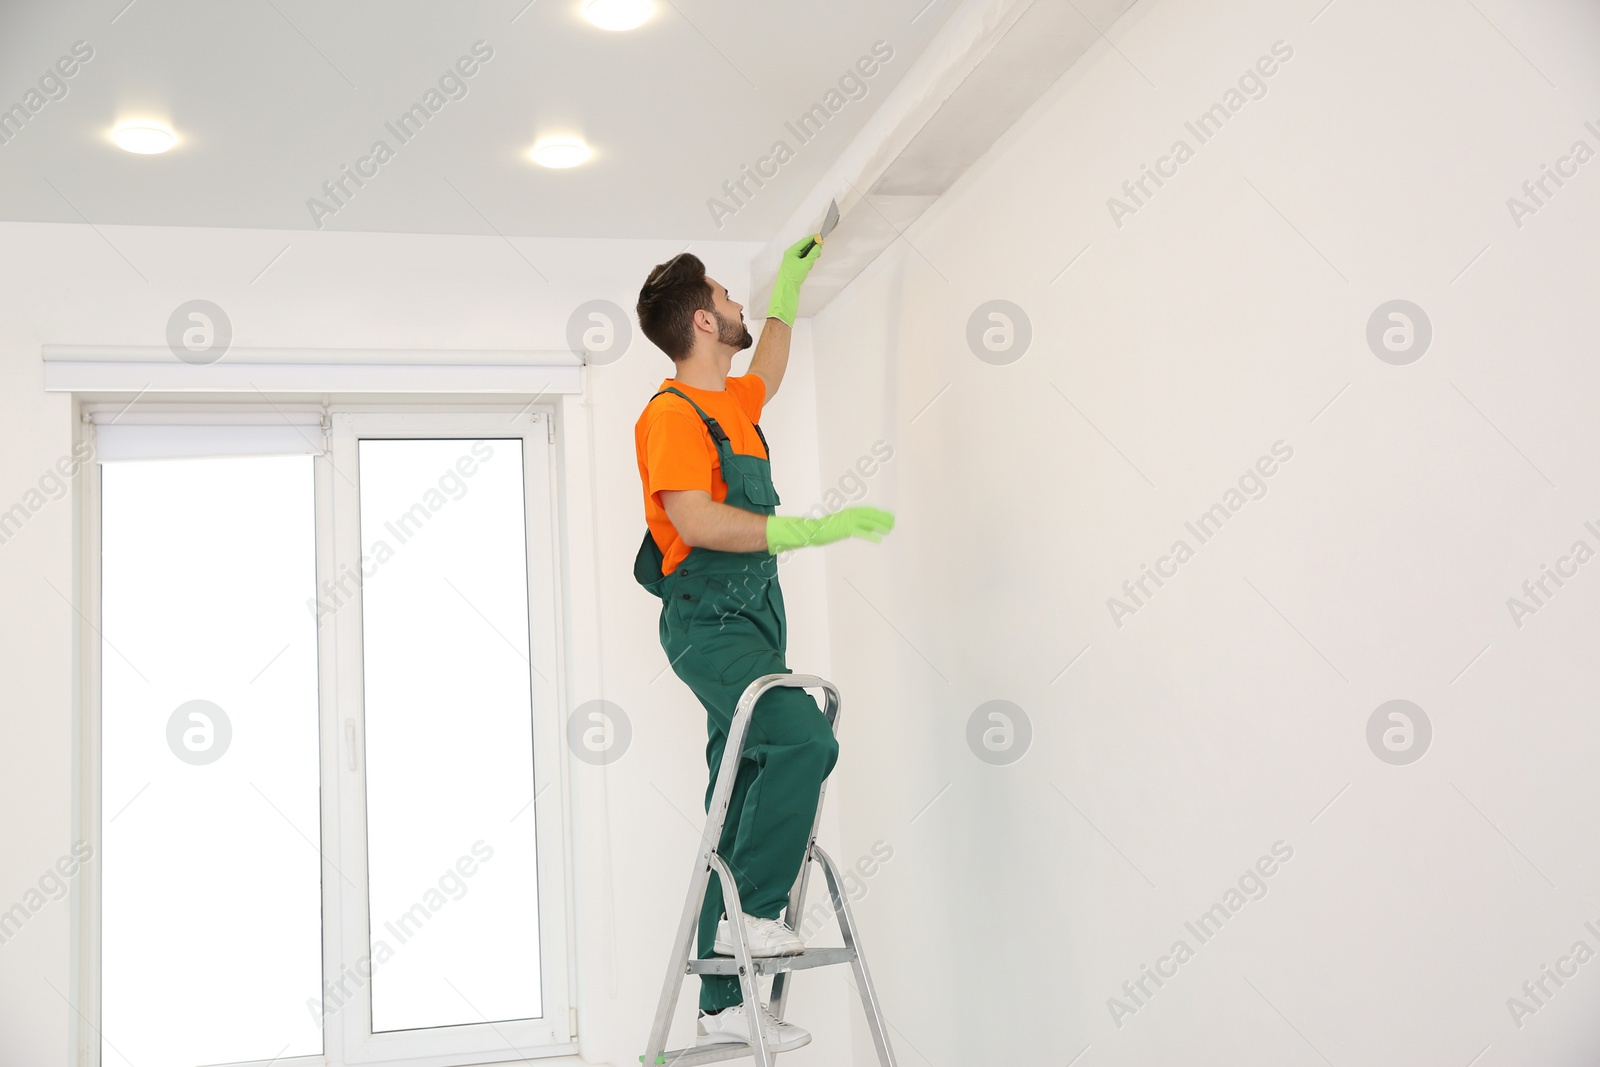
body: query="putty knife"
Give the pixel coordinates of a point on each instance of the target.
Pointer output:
(828, 223)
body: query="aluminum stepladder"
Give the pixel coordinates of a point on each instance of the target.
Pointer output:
(741, 964)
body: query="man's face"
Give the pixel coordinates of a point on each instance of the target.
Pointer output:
(731, 329)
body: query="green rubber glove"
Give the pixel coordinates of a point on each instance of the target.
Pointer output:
(784, 532)
(791, 272)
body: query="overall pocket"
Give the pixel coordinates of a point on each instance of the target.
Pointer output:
(685, 594)
(730, 620)
(750, 477)
(759, 490)
(727, 598)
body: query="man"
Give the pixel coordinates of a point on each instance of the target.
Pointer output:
(709, 553)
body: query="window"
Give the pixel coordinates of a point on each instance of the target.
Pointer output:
(329, 737)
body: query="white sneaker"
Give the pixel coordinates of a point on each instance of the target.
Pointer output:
(766, 937)
(732, 1025)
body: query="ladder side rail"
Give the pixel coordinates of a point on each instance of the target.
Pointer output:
(749, 983)
(682, 946)
(688, 924)
(852, 941)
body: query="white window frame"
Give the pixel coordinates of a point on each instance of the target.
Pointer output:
(347, 1038)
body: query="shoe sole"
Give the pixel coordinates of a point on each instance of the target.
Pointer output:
(730, 1039)
(722, 948)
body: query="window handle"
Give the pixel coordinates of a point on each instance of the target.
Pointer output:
(350, 742)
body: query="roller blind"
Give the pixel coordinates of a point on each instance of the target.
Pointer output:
(173, 437)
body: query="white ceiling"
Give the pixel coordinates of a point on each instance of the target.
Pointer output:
(272, 97)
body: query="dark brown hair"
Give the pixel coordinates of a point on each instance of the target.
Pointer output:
(672, 293)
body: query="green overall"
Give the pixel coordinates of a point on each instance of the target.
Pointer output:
(722, 626)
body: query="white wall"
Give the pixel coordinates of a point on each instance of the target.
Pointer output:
(69, 284)
(1230, 712)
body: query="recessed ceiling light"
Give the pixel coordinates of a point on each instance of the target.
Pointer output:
(145, 138)
(617, 14)
(560, 152)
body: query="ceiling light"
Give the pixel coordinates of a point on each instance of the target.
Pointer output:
(560, 152)
(617, 14)
(145, 138)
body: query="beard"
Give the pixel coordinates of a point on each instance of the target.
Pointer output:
(733, 333)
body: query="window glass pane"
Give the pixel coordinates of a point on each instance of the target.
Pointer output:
(212, 911)
(453, 885)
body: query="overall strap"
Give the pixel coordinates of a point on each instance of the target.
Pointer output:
(718, 434)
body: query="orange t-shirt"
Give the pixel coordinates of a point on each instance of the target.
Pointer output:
(675, 449)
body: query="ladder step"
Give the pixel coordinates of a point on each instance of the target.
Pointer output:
(688, 1057)
(811, 957)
